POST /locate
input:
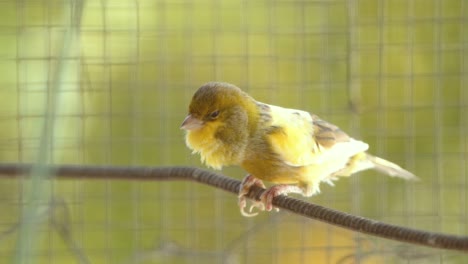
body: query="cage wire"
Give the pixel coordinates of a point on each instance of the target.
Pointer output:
(109, 82)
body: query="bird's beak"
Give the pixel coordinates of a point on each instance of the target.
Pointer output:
(191, 123)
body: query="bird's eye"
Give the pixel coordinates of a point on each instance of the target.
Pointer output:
(214, 114)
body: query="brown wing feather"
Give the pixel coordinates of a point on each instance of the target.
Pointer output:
(326, 134)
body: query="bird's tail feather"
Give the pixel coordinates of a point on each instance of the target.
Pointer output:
(390, 168)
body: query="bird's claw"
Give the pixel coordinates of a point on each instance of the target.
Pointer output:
(257, 204)
(242, 205)
(266, 199)
(244, 189)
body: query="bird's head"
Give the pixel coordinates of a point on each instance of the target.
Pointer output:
(216, 104)
(221, 117)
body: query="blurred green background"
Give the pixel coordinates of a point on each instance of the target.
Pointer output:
(117, 77)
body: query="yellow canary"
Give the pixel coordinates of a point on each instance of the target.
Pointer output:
(289, 147)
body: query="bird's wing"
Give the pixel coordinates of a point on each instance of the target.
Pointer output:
(302, 139)
(327, 134)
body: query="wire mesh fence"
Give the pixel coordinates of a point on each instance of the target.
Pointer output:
(109, 82)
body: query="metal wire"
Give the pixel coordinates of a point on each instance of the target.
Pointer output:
(327, 215)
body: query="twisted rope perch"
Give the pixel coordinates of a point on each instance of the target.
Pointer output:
(327, 215)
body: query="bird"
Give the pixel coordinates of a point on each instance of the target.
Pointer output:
(293, 149)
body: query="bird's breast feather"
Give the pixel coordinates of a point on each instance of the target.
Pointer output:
(213, 152)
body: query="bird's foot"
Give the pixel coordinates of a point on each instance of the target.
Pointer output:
(244, 189)
(266, 199)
